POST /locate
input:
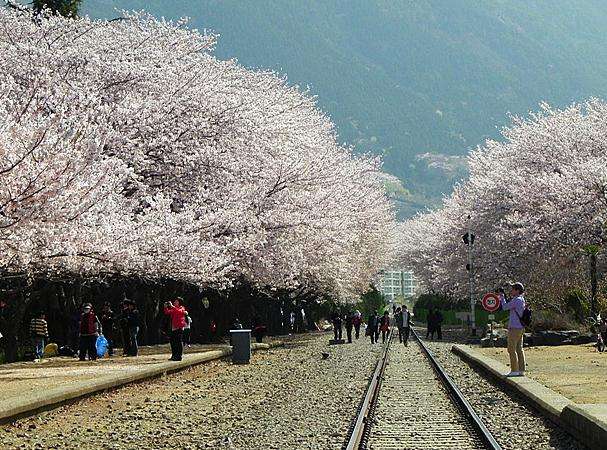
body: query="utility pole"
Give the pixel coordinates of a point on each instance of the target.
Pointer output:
(593, 285)
(592, 251)
(468, 239)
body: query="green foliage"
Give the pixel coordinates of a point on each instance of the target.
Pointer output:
(577, 304)
(66, 8)
(373, 300)
(427, 301)
(591, 249)
(403, 78)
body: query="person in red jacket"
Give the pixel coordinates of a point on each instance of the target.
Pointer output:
(177, 314)
(90, 329)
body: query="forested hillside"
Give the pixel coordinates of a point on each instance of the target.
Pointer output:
(421, 82)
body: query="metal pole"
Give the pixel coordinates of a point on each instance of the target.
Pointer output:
(471, 281)
(593, 285)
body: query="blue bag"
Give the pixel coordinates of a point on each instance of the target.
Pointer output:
(101, 346)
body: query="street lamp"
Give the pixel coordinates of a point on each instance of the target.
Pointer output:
(468, 239)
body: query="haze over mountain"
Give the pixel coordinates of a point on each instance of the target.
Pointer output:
(419, 81)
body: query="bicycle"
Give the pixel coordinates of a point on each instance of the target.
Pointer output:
(595, 327)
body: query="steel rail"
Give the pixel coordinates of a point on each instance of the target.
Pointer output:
(360, 429)
(459, 398)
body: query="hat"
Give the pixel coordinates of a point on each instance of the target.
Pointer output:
(518, 286)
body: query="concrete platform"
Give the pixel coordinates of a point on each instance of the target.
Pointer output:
(88, 377)
(588, 423)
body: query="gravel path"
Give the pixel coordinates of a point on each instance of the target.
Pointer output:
(285, 399)
(514, 425)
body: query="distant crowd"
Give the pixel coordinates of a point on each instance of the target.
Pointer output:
(376, 324)
(93, 335)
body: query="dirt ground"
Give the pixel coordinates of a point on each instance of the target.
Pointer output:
(289, 397)
(578, 372)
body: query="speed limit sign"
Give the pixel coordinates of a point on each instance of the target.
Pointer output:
(491, 302)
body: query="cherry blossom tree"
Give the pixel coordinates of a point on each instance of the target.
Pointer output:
(535, 201)
(130, 149)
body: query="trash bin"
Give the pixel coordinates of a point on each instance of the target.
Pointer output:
(241, 346)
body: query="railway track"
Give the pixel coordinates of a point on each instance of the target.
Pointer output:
(411, 403)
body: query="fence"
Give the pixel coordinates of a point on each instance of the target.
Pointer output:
(460, 318)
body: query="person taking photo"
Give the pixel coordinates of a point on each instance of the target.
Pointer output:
(516, 306)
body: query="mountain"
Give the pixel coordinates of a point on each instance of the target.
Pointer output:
(419, 81)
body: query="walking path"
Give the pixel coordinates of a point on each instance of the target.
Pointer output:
(575, 371)
(586, 421)
(26, 387)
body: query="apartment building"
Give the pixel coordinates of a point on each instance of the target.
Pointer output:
(397, 283)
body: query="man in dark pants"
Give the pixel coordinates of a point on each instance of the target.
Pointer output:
(107, 323)
(337, 322)
(133, 328)
(124, 328)
(373, 327)
(357, 320)
(438, 324)
(349, 324)
(431, 319)
(398, 321)
(406, 324)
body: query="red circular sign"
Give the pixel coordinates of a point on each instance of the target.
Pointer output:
(491, 302)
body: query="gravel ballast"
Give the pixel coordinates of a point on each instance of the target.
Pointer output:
(513, 424)
(287, 398)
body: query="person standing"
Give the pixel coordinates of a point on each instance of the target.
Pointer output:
(187, 331)
(213, 330)
(124, 328)
(349, 321)
(107, 324)
(516, 329)
(74, 330)
(373, 327)
(337, 325)
(356, 321)
(177, 314)
(259, 329)
(398, 321)
(384, 325)
(406, 324)
(39, 334)
(133, 328)
(431, 319)
(438, 324)
(236, 324)
(603, 329)
(304, 324)
(292, 321)
(90, 328)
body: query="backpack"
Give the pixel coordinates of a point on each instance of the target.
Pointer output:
(525, 318)
(65, 351)
(101, 345)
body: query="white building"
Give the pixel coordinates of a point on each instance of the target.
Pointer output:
(397, 283)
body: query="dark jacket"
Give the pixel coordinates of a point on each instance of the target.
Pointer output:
(107, 321)
(336, 319)
(438, 318)
(373, 321)
(133, 318)
(400, 322)
(349, 321)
